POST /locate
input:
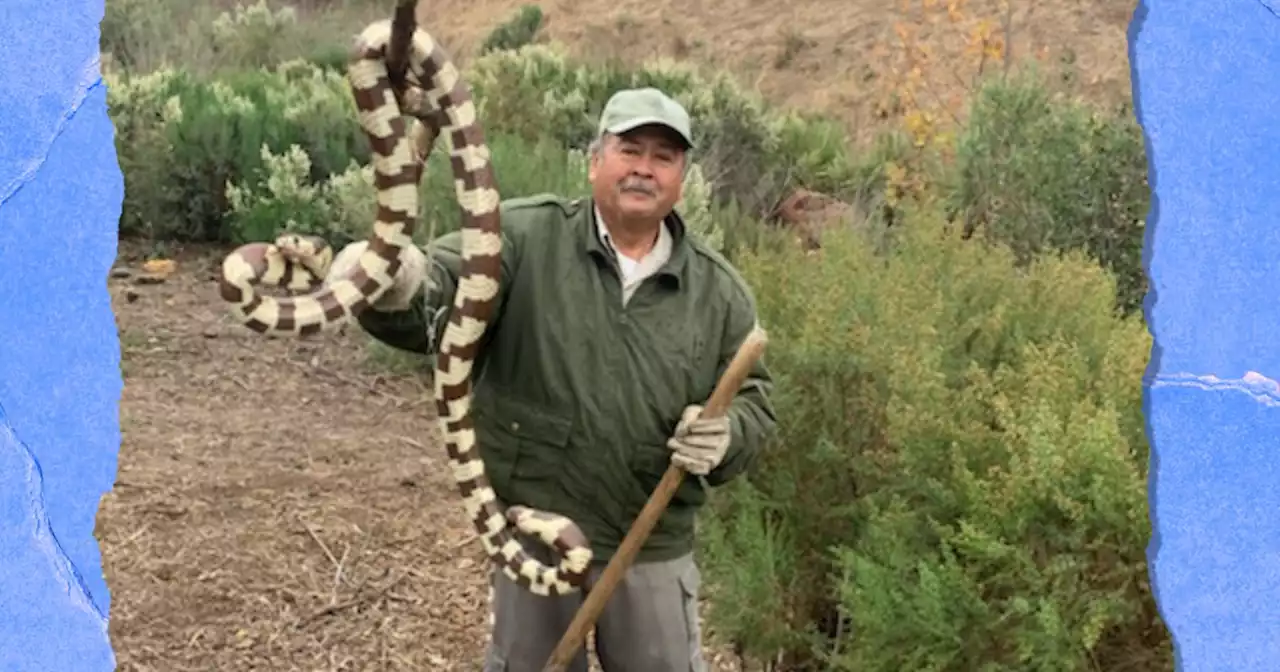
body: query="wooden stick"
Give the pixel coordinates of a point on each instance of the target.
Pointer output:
(726, 389)
(403, 23)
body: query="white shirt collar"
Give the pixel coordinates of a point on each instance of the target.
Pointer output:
(661, 249)
(636, 271)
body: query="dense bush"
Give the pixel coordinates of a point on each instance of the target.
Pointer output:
(959, 482)
(181, 140)
(215, 38)
(1041, 174)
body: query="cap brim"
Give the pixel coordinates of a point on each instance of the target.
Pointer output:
(632, 124)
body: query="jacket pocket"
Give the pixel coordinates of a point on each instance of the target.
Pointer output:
(538, 433)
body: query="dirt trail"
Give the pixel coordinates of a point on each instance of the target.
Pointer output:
(279, 504)
(263, 482)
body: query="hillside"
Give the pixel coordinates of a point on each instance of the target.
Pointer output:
(846, 58)
(832, 56)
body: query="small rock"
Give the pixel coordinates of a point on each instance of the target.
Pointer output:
(131, 295)
(150, 279)
(159, 266)
(119, 272)
(210, 332)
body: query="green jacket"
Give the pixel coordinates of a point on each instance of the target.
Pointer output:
(577, 394)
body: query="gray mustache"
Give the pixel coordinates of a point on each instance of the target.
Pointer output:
(638, 187)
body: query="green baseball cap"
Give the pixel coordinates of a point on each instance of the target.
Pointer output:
(632, 108)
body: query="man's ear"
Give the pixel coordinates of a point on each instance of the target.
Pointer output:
(684, 175)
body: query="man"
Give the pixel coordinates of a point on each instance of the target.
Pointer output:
(612, 327)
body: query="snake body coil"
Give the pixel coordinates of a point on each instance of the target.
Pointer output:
(438, 97)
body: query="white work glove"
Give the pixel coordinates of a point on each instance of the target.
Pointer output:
(699, 444)
(412, 273)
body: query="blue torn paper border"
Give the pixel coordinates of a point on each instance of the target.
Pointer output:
(60, 198)
(1206, 80)
(1206, 77)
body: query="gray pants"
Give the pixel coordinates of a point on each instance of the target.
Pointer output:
(650, 623)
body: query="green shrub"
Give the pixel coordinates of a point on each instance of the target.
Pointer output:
(334, 57)
(144, 35)
(959, 479)
(127, 25)
(1041, 174)
(281, 197)
(181, 140)
(518, 31)
(254, 36)
(140, 108)
(210, 39)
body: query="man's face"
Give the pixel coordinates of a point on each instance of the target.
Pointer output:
(638, 174)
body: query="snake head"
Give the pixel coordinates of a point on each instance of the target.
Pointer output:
(295, 247)
(310, 252)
